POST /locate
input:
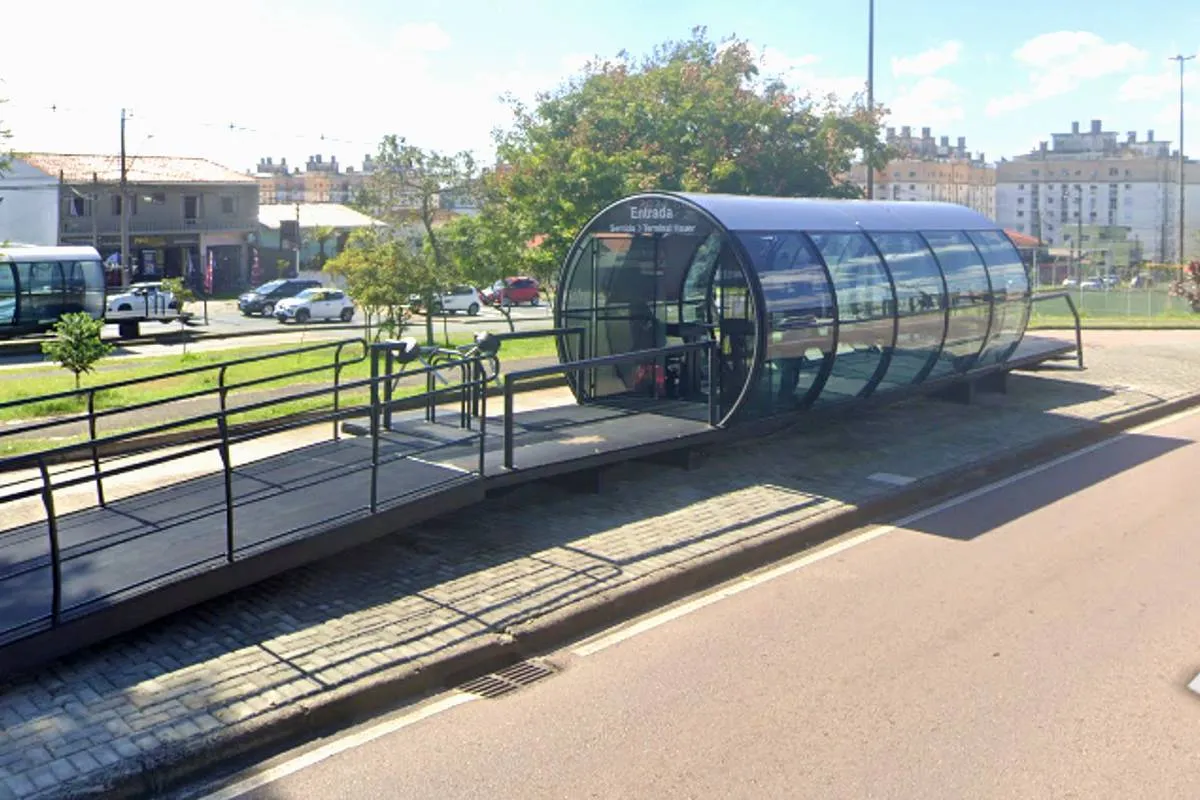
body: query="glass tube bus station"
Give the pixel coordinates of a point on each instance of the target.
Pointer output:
(681, 321)
(807, 302)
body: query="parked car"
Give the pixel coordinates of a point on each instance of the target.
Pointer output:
(319, 303)
(459, 298)
(141, 302)
(514, 291)
(264, 299)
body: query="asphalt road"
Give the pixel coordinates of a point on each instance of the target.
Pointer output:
(1035, 640)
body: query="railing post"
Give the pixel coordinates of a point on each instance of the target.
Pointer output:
(227, 462)
(221, 390)
(482, 423)
(55, 553)
(713, 393)
(508, 421)
(390, 366)
(91, 411)
(375, 433)
(337, 378)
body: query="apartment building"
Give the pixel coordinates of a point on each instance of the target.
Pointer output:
(933, 170)
(321, 181)
(180, 210)
(1096, 178)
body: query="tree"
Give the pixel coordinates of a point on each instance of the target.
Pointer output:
(319, 235)
(404, 191)
(5, 154)
(381, 272)
(183, 295)
(1187, 286)
(77, 345)
(695, 115)
(486, 248)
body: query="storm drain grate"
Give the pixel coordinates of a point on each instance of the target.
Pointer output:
(508, 679)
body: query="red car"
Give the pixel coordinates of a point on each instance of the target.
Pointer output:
(514, 291)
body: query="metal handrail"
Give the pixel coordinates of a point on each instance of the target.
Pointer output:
(90, 415)
(226, 439)
(1041, 297)
(511, 379)
(222, 389)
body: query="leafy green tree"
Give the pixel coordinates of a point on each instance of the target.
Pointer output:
(486, 248)
(76, 345)
(404, 191)
(381, 272)
(319, 235)
(183, 295)
(5, 154)
(695, 115)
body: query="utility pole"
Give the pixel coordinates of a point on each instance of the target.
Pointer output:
(297, 240)
(1079, 233)
(871, 97)
(95, 201)
(1182, 187)
(125, 267)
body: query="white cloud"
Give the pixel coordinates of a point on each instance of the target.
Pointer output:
(1058, 63)
(931, 101)
(929, 61)
(283, 99)
(421, 36)
(1155, 86)
(803, 74)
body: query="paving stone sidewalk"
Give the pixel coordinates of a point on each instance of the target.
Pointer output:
(408, 601)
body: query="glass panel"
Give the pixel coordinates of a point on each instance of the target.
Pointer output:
(799, 305)
(93, 279)
(8, 295)
(41, 286)
(737, 329)
(967, 285)
(866, 307)
(1010, 290)
(921, 300)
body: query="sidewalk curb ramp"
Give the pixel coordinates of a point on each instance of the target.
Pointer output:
(395, 686)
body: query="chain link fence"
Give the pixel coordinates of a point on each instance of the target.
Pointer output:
(1136, 296)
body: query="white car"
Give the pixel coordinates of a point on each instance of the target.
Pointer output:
(142, 302)
(459, 298)
(312, 304)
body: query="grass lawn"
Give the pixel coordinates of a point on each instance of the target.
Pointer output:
(37, 381)
(1118, 308)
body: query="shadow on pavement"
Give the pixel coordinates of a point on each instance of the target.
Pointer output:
(990, 511)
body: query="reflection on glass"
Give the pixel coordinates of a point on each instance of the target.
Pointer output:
(866, 308)
(921, 301)
(8, 295)
(967, 286)
(800, 316)
(1010, 290)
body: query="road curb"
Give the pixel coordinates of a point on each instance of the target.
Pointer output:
(395, 685)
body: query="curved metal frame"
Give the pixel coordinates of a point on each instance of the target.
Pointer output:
(760, 312)
(570, 264)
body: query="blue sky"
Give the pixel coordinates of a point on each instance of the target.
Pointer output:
(250, 78)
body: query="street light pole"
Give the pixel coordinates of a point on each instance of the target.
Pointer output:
(1182, 186)
(125, 269)
(871, 97)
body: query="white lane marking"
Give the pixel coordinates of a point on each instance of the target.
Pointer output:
(604, 641)
(341, 745)
(1195, 684)
(892, 478)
